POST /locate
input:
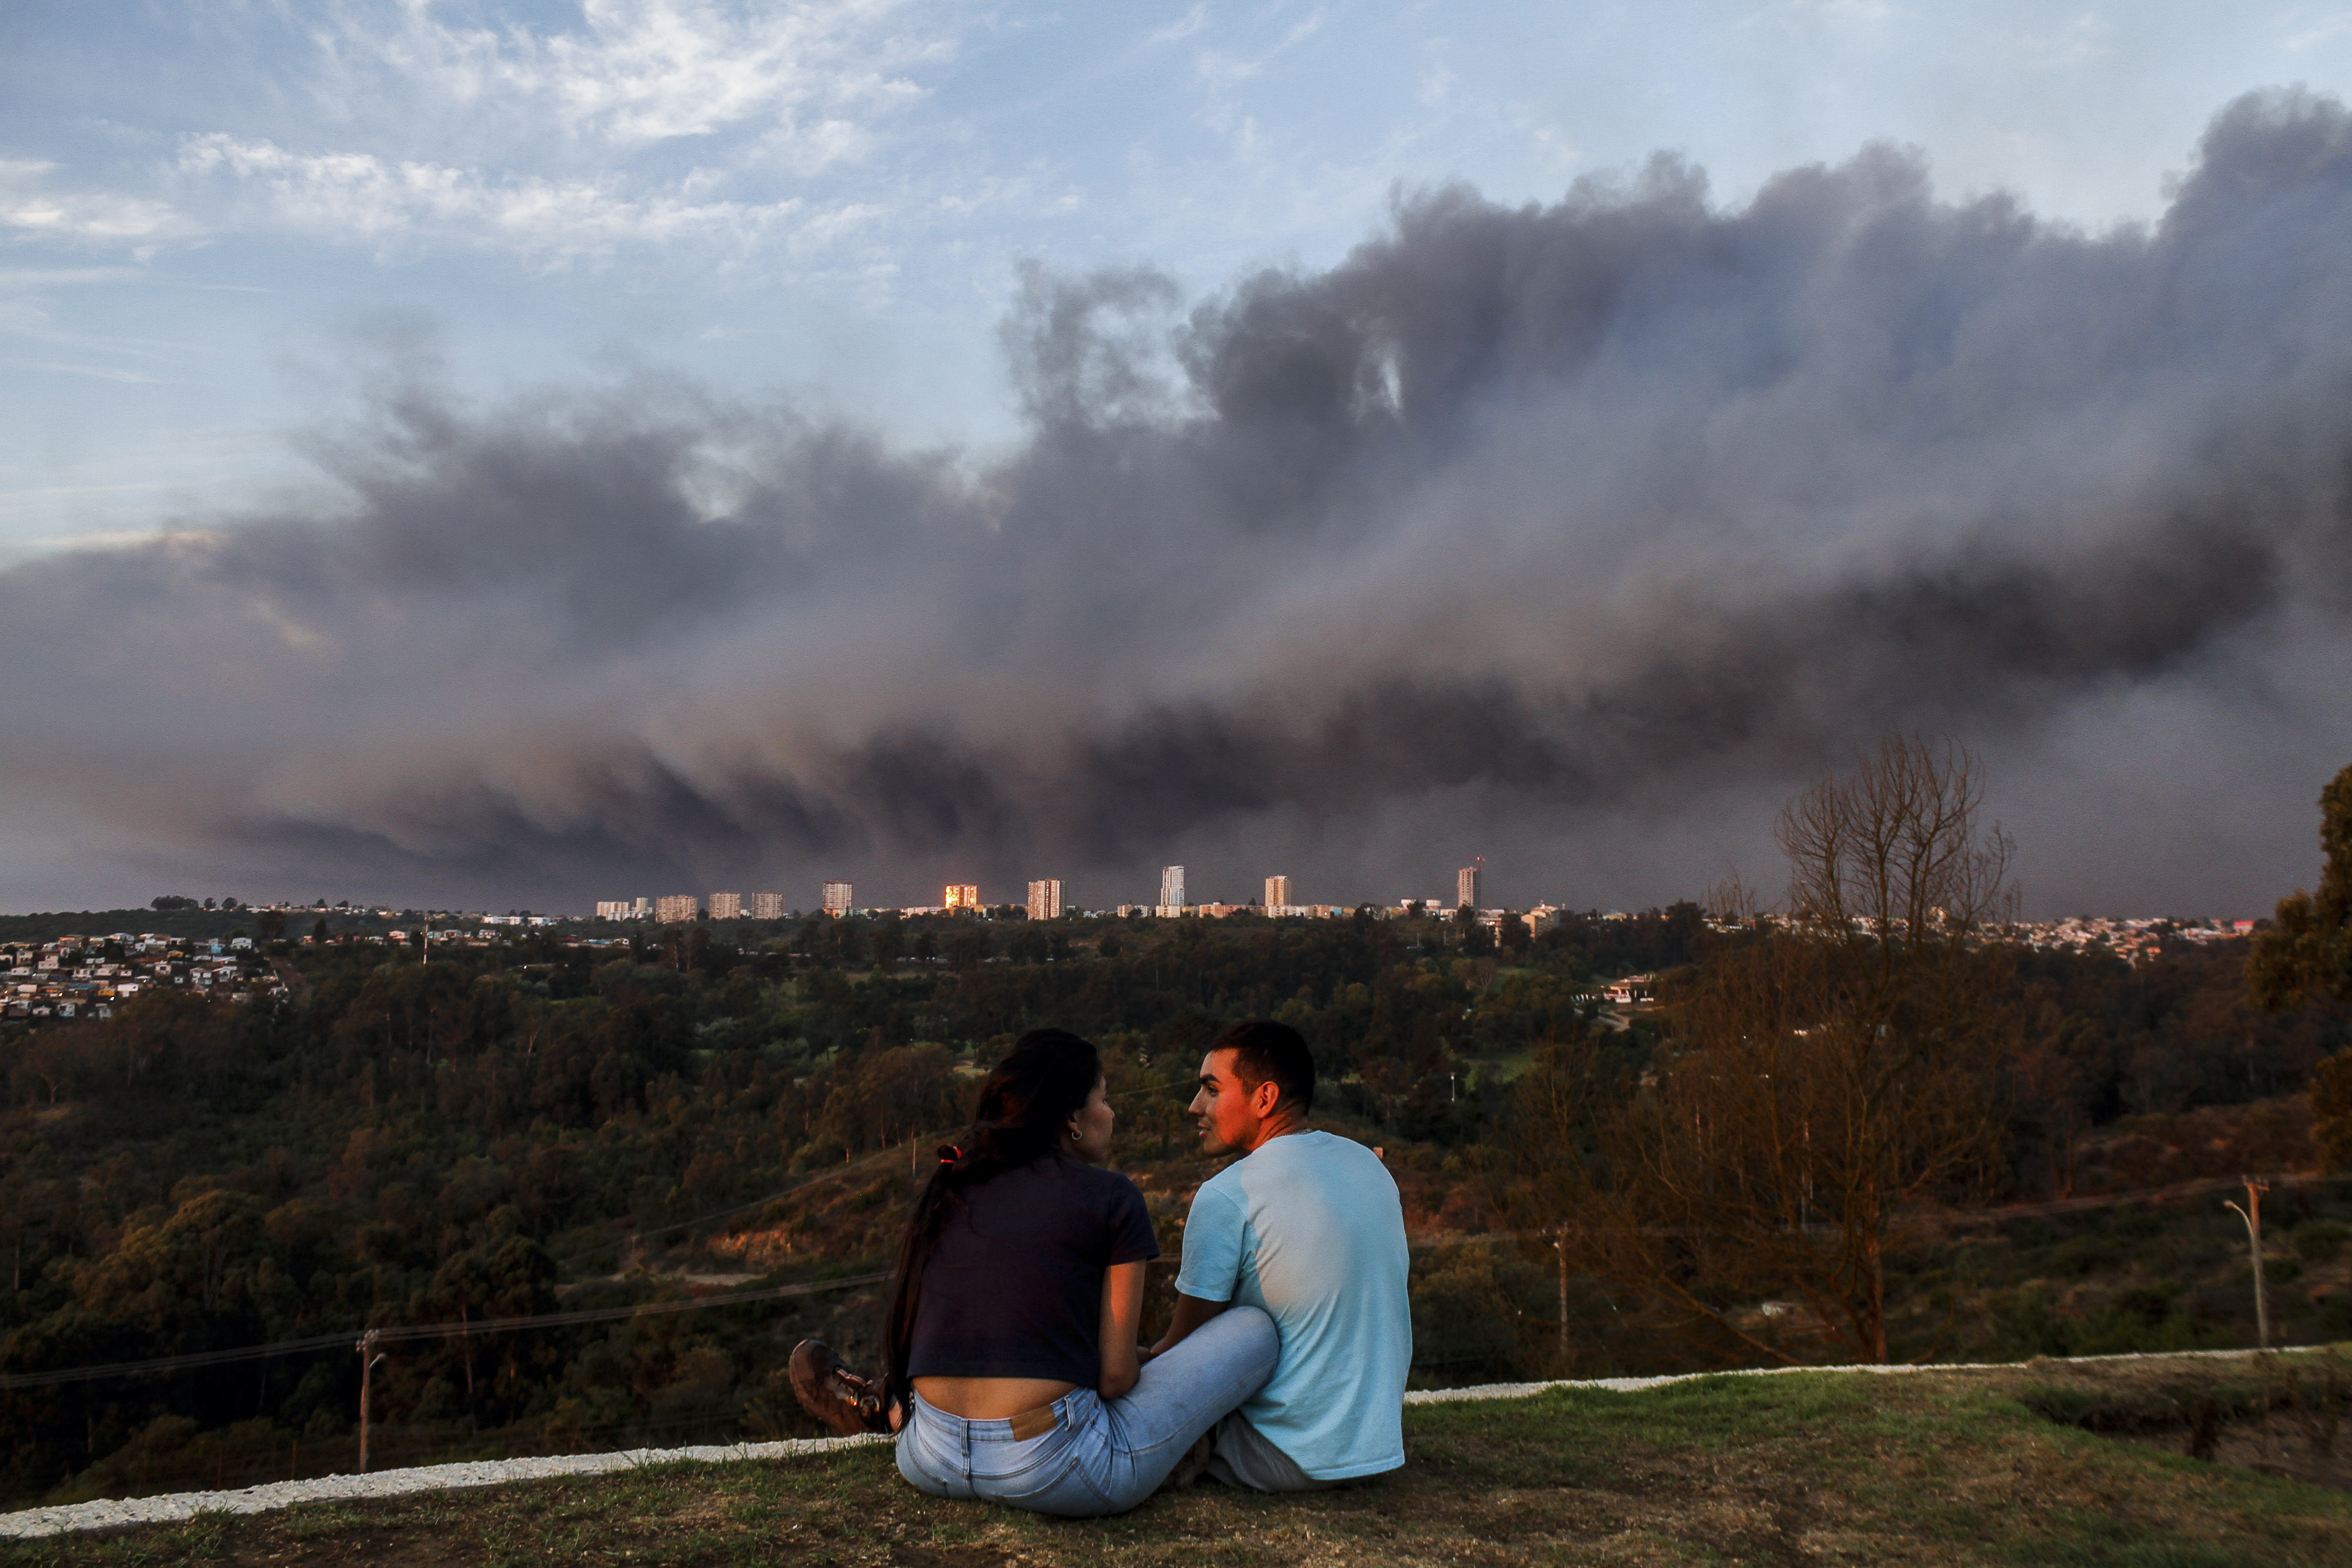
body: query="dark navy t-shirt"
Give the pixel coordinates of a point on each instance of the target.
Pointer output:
(1016, 1288)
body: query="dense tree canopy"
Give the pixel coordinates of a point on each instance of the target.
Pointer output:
(2306, 956)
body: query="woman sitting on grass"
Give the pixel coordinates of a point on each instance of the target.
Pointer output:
(1015, 1374)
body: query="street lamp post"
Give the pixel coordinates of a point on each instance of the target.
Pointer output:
(2253, 1215)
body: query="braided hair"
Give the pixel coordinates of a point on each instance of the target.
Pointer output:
(1023, 1107)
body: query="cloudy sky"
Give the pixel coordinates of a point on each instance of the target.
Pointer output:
(519, 454)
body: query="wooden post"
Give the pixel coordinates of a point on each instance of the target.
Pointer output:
(2253, 1215)
(368, 1358)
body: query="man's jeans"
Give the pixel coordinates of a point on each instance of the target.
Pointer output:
(1099, 1457)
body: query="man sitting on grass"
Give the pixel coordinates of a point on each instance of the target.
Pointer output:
(1308, 1227)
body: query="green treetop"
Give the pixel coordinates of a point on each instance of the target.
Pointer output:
(2306, 956)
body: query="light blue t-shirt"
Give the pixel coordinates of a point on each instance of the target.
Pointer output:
(1309, 1227)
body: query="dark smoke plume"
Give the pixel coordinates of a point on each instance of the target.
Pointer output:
(1553, 532)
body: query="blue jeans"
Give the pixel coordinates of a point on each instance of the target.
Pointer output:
(1100, 1456)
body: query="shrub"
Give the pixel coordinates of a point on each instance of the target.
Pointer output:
(2319, 1241)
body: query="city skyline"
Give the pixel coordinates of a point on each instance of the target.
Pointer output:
(1044, 899)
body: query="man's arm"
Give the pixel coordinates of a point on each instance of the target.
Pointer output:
(1191, 1314)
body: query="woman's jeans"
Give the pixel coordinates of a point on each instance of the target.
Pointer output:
(1099, 1456)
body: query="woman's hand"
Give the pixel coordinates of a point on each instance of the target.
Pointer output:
(1122, 1315)
(1191, 1314)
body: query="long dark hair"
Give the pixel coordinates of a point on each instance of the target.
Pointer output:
(1023, 1108)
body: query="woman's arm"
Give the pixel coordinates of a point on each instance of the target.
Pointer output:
(1122, 1316)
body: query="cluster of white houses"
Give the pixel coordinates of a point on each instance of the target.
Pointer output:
(78, 976)
(2130, 940)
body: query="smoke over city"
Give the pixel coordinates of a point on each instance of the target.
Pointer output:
(1575, 535)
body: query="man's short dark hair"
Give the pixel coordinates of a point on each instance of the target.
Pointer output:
(1266, 1051)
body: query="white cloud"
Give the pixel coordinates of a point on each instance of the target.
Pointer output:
(1820, 18)
(61, 277)
(96, 356)
(95, 373)
(1218, 69)
(360, 197)
(2313, 34)
(645, 72)
(1437, 84)
(2082, 39)
(1183, 28)
(88, 217)
(1848, 12)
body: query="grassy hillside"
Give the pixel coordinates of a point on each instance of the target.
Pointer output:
(2047, 1463)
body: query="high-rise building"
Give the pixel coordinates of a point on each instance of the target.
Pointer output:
(726, 906)
(618, 909)
(1277, 894)
(1172, 886)
(837, 898)
(766, 907)
(1469, 885)
(1046, 899)
(678, 907)
(644, 910)
(962, 895)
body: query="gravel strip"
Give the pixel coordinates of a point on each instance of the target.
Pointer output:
(181, 1506)
(390, 1483)
(1634, 1385)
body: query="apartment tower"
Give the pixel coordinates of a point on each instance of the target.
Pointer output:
(678, 908)
(726, 906)
(1046, 899)
(766, 907)
(1277, 894)
(837, 898)
(963, 895)
(1470, 884)
(1171, 887)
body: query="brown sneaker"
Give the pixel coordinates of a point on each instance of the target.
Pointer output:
(834, 1395)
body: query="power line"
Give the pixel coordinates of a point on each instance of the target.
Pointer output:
(403, 1333)
(832, 1173)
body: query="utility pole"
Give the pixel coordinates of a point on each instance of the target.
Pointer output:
(2253, 1215)
(369, 1357)
(1560, 1247)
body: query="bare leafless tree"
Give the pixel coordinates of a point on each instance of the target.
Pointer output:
(1825, 1076)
